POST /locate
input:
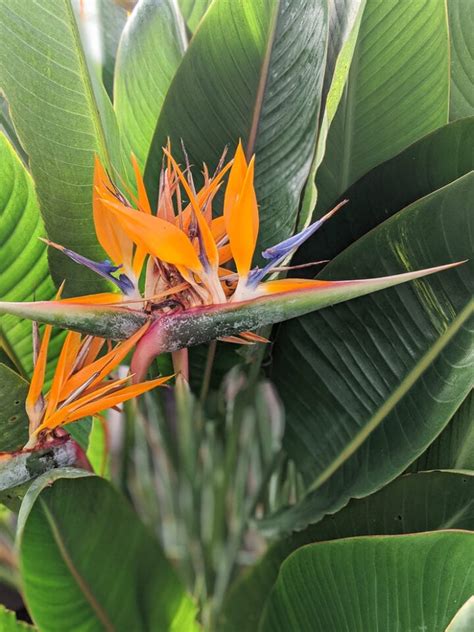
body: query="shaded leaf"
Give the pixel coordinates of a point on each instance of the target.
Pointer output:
(410, 504)
(193, 11)
(55, 107)
(69, 548)
(254, 71)
(369, 385)
(397, 91)
(344, 23)
(454, 448)
(461, 28)
(112, 19)
(13, 418)
(23, 262)
(150, 51)
(427, 165)
(386, 583)
(463, 620)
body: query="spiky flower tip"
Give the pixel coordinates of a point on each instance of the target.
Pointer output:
(194, 259)
(81, 385)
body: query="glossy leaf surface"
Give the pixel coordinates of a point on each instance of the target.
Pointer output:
(71, 550)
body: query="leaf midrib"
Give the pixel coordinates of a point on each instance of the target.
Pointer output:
(389, 404)
(93, 106)
(83, 587)
(262, 83)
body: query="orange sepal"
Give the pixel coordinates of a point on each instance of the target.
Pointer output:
(242, 223)
(158, 237)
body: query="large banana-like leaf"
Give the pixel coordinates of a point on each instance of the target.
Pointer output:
(55, 110)
(443, 501)
(111, 21)
(369, 385)
(454, 448)
(193, 10)
(461, 29)
(429, 164)
(397, 91)
(24, 272)
(79, 539)
(150, 51)
(254, 70)
(387, 583)
(344, 23)
(13, 419)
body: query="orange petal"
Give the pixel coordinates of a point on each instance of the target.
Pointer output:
(37, 380)
(99, 299)
(160, 238)
(111, 237)
(143, 205)
(236, 180)
(104, 365)
(143, 202)
(63, 367)
(287, 285)
(104, 403)
(206, 235)
(242, 223)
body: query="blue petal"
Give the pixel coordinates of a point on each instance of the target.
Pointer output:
(104, 269)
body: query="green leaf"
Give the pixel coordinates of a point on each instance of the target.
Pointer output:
(254, 70)
(463, 620)
(454, 448)
(55, 110)
(344, 23)
(13, 418)
(193, 11)
(111, 20)
(80, 540)
(387, 583)
(369, 385)
(397, 91)
(19, 469)
(411, 504)
(427, 165)
(461, 28)
(23, 262)
(151, 49)
(9, 622)
(97, 449)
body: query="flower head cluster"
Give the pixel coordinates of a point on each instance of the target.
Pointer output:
(81, 384)
(194, 257)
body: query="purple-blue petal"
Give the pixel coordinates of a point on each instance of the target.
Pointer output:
(104, 269)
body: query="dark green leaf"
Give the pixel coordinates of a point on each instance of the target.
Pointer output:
(429, 164)
(13, 418)
(461, 29)
(463, 620)
(454, 448)
(112, 19)
(391, 583)
(150, 51)
(23, 262)
(344, 23)
(254, 71)
(369, 385)
(80, 541)
(55, 109)
(411, 504)
(397, 91)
